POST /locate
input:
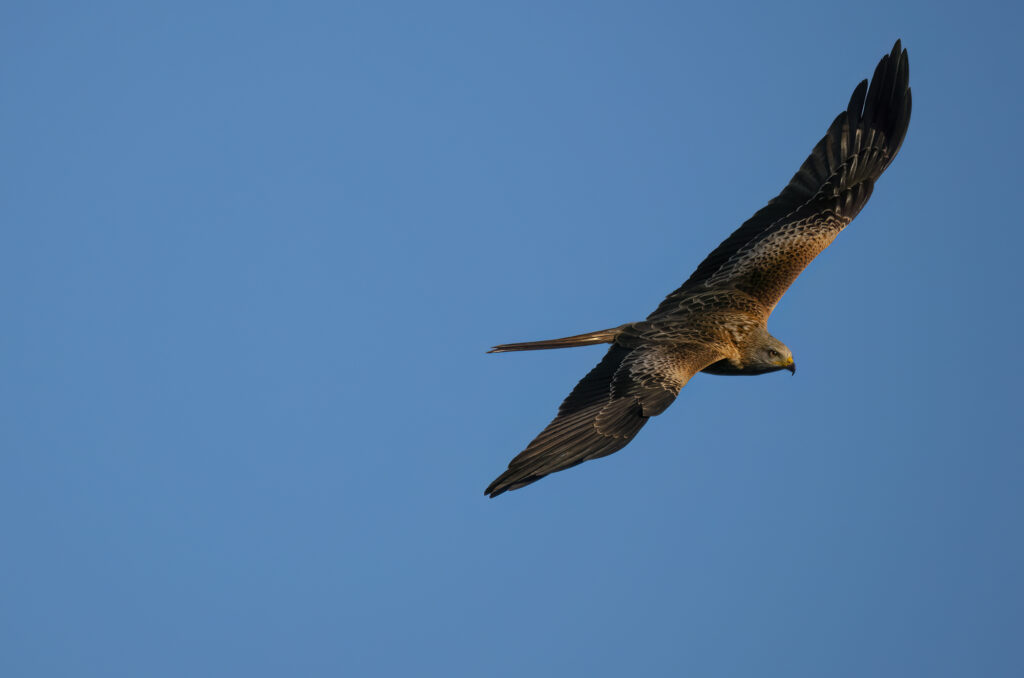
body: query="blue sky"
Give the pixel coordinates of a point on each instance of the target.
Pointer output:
(253, 255)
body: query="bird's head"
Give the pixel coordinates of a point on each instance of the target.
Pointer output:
(769, 355)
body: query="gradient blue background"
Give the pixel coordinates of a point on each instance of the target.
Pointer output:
(252, 255)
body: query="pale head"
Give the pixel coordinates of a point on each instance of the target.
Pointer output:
(767, 354)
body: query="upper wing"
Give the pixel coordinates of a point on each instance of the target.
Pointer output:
(606, 409)
(765, 255)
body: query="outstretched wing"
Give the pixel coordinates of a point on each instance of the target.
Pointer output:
(765, 255)
(606, 409)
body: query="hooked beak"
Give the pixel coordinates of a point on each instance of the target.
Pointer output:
(791, 367)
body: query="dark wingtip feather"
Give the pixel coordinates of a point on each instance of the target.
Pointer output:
(492, 491)
(857, 99)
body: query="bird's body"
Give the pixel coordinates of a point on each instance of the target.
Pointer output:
(716, 322)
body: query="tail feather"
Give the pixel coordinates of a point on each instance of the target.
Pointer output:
(599, 337)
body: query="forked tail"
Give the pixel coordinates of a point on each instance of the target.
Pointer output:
(599, 337)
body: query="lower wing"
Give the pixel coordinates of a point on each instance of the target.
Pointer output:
(606, 409)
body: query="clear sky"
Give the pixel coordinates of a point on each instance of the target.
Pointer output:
(252, 256)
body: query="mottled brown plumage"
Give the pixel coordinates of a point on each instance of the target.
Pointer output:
(717, 321)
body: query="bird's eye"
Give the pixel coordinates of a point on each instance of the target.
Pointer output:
(773, 353)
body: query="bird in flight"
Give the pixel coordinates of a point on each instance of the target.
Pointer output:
(717, 321)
